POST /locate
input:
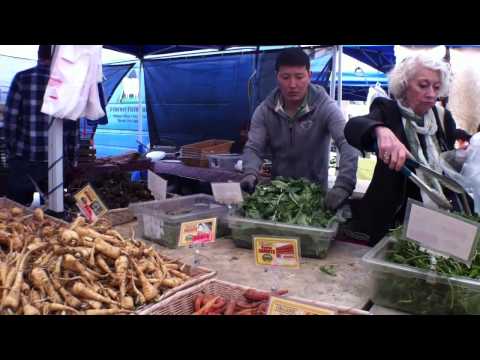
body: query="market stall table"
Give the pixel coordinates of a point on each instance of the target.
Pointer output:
(347, 287)
(380, 310)
(195, 173)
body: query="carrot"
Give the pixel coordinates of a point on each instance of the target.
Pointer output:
(230, 307)
(220, 303)
(149, 291)
(255, 295)
(107, 249)
(198, 302)
(244, 305)
(262, 309)
(41, 281)
(107, 312)
(82, 291)
(246, 312)
(206, 308)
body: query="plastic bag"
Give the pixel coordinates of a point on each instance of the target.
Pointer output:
(471, 169)
(374, 92)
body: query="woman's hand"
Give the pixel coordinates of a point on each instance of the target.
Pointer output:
(390, 150)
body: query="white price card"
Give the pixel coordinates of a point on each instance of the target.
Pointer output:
(440, 231)
(157, 186)
(227, 193)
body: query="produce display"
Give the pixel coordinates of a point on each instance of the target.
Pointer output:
(115, 189)
(254, 302)
(291, 208)
(424, 294)
(50, 267)
(296, 202)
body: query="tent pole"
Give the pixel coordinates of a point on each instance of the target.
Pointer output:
(55, 164)
(334, 73)
(340, 97)
(140, 118)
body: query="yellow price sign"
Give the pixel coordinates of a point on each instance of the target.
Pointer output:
(284, 306)
(198, 232)
(276, 251)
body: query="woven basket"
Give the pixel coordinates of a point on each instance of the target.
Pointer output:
(199, 274)
(182, 303)
(8, 204)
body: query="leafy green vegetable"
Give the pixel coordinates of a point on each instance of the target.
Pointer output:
(329, 270)
(296, 202)
(419, 295)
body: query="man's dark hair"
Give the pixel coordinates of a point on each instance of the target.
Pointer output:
(44, 52)
(292, 57)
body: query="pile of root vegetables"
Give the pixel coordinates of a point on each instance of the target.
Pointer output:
(254, 302)
(48, 267)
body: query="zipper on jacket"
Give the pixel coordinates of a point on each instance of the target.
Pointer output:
(292, 138)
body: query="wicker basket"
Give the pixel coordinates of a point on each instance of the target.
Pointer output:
(8, 204)
(199, 274)
(182, 303)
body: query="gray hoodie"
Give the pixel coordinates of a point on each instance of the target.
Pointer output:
(301, 148)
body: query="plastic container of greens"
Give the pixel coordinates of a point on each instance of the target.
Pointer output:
(160, 220)
(314, 241)
(419, 291)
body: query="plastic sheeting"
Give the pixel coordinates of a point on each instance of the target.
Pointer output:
(194, 99)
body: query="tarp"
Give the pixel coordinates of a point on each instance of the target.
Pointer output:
(194, 99)
(140, 51)
(113, 74)
(380, 57)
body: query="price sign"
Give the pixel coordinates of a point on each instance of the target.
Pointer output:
(198, 232)
(285, 306)
(227, 193)
(277, 251)
(441, 231)
(90, 204)
(157, 186)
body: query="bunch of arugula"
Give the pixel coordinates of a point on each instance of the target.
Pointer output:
(419, 296)
(296, 202)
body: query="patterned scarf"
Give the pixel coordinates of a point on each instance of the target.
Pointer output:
(426, 126)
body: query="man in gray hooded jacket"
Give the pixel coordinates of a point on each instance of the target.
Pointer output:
(296, 123)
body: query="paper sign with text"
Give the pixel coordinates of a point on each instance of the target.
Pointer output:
(276, 251)
(157, 186)
(198, 232)
(440, 231)
(284, 306)
(89, 203)
(227, 193)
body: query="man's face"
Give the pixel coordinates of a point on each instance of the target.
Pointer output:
(293, 82)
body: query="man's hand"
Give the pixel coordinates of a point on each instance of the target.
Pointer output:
(335, 198)
(248, 183)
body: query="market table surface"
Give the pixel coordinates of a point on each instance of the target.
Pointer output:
(380, 310)
(349, 287)
(195, 173)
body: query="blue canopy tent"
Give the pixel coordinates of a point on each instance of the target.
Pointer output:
(140, 51)
(380, 57)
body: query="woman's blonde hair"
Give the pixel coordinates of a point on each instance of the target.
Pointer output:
(405, 71)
